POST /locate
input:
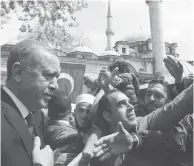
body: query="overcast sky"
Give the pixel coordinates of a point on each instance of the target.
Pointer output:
(130, 18)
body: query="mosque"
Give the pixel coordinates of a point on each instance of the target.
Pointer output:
(144, 54)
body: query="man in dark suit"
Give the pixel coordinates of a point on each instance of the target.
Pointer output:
(32, 72)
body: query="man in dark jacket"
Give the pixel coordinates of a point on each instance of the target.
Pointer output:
(32, 72)
(59, 132)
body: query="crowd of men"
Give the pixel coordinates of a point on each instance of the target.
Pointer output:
(110, 125)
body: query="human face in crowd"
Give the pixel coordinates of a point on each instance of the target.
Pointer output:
(83, 115)
(39, 81)
(121, 111)
(155, 97)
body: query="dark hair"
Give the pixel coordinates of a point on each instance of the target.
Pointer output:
(124, 67)
(164, 84)
(59, 107)
(103, 105)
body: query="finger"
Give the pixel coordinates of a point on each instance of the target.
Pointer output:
(48, 148)
(102, 140)
(171, 60)
(168, 66)
(115, 71)
(168, 63)
(62, 149)
(180, 66)
(37, 143)
(121, 129)
(105, 156)
(99, 148)
(102, 152)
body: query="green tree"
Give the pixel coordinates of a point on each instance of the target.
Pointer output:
(46, 21)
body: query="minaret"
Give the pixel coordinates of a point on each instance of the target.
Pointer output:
(158, 45)
(109, 32)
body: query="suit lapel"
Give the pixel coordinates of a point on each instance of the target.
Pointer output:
(38, 119)
(19, 124)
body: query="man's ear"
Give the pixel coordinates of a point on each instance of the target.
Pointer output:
(107, 116)
(17, 72)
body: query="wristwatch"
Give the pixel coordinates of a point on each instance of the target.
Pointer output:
(137, 140)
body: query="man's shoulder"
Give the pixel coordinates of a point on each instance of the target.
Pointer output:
(55, 126)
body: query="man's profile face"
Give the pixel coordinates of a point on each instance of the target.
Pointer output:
(83, 115)
(40, 81)
(122, 110)
(155, 97)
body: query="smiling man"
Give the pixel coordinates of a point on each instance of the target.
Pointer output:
(32, 73)
(82, 114)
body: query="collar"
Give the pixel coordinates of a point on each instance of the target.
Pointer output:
(22, 108)
(63, 121)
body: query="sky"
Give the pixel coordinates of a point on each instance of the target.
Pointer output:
(130, 18)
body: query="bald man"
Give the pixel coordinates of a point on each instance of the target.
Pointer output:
(32, 72)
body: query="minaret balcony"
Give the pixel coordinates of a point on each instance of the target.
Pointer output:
(109, 32)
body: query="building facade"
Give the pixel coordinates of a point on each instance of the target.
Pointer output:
(137, 53)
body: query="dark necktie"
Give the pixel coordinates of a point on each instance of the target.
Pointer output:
(31, 124)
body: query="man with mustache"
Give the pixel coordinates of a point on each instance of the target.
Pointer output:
(156, 96)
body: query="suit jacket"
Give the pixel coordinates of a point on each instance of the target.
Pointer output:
(59, 134)
(16, 140)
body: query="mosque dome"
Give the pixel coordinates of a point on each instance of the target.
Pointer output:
(137, 37)
(109, 53)
(82, 49)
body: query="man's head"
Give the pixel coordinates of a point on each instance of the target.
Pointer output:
(83, 104)
(115, 107)
(59, 107)
(32, 72)
(157, 95)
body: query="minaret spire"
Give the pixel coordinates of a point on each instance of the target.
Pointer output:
(109, 14)
(109, 32)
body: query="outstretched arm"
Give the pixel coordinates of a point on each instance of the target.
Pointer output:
(170, 114)
(84, 158)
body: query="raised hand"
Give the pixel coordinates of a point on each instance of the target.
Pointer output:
(42, 156)
(115, 79)
(114, 144)
(107, 78)
(104, 78)
(90, 83)
(175, 68)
